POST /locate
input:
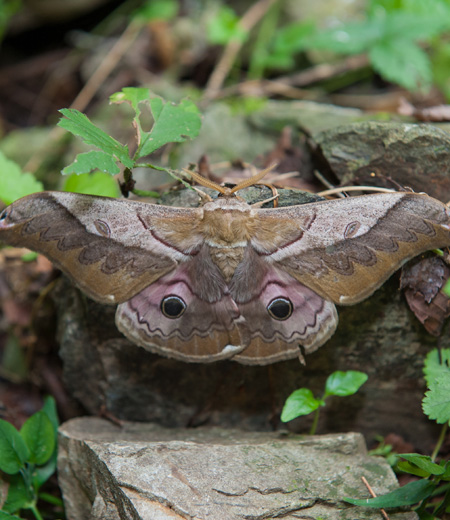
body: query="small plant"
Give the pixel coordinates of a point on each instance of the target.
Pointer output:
(435, 478)
(92, 172)
(28, 459)
(171, 124)
(302, 401)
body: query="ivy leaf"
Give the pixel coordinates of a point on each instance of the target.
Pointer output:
(80, 125)
(407, 495)
(436, 403)
(15, 184)
(39, 435)
(13, 449)
(90, 161)
(300, 402)
(344, 383)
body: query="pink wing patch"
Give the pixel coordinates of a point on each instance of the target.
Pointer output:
(169, 318)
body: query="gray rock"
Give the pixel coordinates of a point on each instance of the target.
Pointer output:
(413, 155)
(143, 471)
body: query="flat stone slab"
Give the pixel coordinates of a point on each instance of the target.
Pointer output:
(144, 471)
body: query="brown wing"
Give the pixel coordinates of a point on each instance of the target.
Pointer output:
(111, 248)
(345, 249)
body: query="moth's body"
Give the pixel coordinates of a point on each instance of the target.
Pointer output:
(228, 280)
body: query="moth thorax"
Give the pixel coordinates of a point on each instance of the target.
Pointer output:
(227, 260)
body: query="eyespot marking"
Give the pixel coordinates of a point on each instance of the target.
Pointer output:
(351, 229)
(173, 307)
(280, 309)
(102, 227)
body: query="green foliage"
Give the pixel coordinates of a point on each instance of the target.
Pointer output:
(434, 478)
(436, 403)
(302, 401)
(7, 9)
(15, 184)
(224, 27)
(28, 458)
(157, 10)
(393, 35)
(97, 183)
(172, 123)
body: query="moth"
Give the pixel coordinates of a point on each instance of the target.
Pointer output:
(227, 280)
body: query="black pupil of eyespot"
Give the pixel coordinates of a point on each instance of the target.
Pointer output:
(280, 308)
(173, 307)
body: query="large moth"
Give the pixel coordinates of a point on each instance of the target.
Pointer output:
(227, 280)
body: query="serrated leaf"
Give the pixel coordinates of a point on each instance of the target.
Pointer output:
(344, 383)
(301, 402)
(437, 363)
(407, 495)
(131, 95)
(80, 125)
(91, 161)
(424, 462)
(13, 183)
(13, 449)
(436, 403)
(39, 435)
(97, 183)
(403, 62)
(172, 124)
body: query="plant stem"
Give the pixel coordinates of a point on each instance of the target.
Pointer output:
(313, 429)
(439, 442)
(36, 512)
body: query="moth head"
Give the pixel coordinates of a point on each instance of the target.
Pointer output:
(230, 192)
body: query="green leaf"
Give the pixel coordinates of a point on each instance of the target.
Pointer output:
(436, 403)
(437, 363)
(344, 383)
(18, 495)
(300, 402)
(15, 184)
(7, 516)
(50, 409)
(424, 462)
(158, 10)
(410, 494)
(13, 450)
(39, 435)
(98, 183)
(172, 124)
(79, 124)
(90, 161)
(350, 38)
(403, 62)
(407, 467)
(224, 26)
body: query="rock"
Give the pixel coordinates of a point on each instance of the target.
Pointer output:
(413, 155)
(144, 471)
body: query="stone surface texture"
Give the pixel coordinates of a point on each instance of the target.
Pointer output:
(144, 471)
(372, 153)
